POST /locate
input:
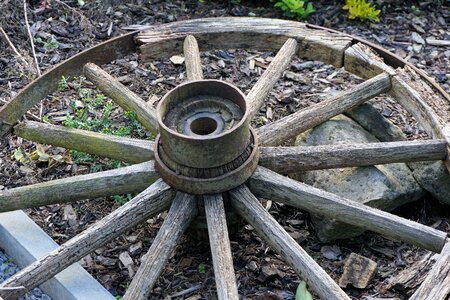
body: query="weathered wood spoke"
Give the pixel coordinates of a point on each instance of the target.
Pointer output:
(271, 185)
(253, 212)
(181, 214)
(293, 159)
(436, 285)
(220, 247)
(268, 79)
(122, 96)
(124, 180)
(290, 126)
(192, 59)
(151, 201)
(121, 148)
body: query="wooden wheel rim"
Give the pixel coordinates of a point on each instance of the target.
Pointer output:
(262, 34)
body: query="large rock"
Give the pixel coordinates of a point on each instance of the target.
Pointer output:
(384, 186)
(432, 176)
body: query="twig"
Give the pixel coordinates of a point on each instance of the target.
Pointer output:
(13, 47)
(33, 50)
(31, 37)
(187, 291)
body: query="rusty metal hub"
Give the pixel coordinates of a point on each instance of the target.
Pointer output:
(206, 144)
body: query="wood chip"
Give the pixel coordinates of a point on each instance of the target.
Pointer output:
(358, 271)
(434, 42)
(126, 259)
(177, 60)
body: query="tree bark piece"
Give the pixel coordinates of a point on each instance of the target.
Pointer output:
(121, 95)
(244, 32)
(290, 126)
(181, 214)
(220, 247)
(270, 185)
(268, 79)
(358, 271)
(254, 213)
(121, 148)
(192, 59)
(302, 158)
(151, 201)
(437, 283)
(113, 182)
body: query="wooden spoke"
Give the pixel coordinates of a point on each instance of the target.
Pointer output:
(271, 185)
(151, 201)
(121, 148)
(181, 214)
(253, 212)
(436, 285)
(288, 127)
(220, 248)
(192, 58)
(118, 181)
(293, 159)
(268, 79)
(125, 98)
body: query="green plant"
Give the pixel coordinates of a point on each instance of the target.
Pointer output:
(122, 199)
(202, 268)
(362, 10)
(302, 293)
(62, 84)
(295, 9)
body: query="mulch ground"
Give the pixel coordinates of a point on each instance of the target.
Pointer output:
(63, 28)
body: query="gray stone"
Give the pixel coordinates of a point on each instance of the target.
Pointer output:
(433, 177)
(371, 120)
(383, 186)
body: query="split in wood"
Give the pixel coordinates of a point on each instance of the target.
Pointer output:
(294, 159)
(269, 78)
(121, 148)
(275, 133)
(124, 180)
(270, 185)
(220, 247)
(181, 214)
(254, 213)
(150, 202)
(122, 96)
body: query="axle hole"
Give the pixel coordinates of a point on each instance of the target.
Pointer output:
(203, 126)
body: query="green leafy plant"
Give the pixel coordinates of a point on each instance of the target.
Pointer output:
(295, 9)
(362, 10)
(302, 293)
(202, 268)
(62, 84)
(122, 199)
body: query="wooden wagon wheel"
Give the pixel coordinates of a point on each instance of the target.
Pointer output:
(417, 93)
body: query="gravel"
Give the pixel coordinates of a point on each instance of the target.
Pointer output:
(8, 268)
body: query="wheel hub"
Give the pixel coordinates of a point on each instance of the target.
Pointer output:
(205, 143)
